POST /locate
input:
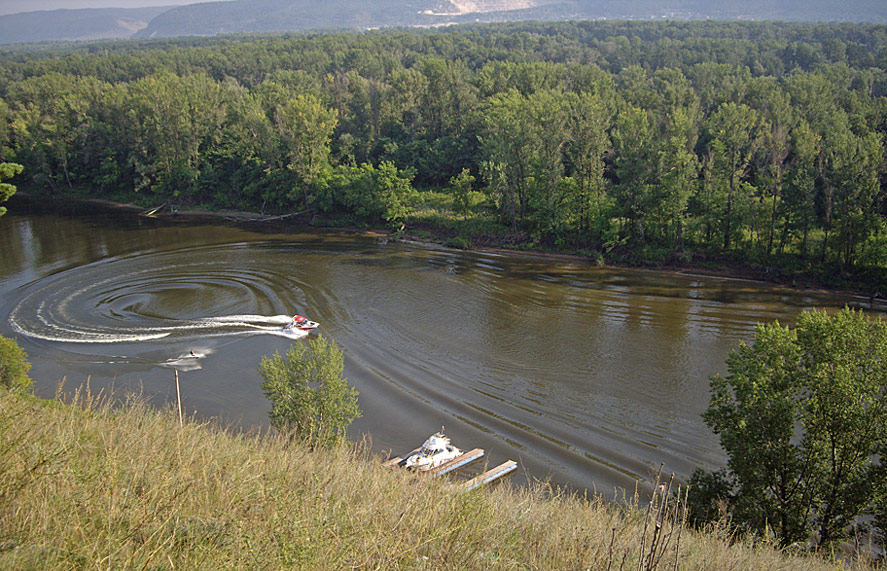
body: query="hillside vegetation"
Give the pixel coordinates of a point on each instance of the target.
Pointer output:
(662, 142)
(126, 487)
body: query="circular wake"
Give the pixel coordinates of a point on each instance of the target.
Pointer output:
(156, 295)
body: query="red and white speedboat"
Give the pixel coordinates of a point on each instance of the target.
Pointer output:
(300, 323)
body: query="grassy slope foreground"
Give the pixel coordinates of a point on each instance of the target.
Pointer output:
(101, 487)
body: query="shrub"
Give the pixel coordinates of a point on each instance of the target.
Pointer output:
(14, 366)
(459, 242)
(310, 397)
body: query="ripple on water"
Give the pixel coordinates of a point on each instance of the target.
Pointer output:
(588, 376)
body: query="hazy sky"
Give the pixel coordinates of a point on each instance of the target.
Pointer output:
(14, 6)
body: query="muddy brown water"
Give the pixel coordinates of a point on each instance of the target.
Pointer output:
(589, 377)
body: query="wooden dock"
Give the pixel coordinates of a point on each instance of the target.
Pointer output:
(459, 462)
(490, 475)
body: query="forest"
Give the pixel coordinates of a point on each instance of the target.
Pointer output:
(644, 142)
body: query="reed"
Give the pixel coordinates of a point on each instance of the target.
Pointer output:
(124, 486)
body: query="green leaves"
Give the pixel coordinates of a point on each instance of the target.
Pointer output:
(14, 366)
(310, 397)
(7, 170)
(802, 418)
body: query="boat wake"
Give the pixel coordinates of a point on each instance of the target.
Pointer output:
(47, 326)
(152, 296)
(190, 361)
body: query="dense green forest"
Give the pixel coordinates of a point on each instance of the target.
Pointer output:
(662, 141)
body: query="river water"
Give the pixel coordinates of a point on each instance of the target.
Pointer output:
(589, 377)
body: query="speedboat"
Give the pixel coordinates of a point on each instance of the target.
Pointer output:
(434, 452)
(300, 323)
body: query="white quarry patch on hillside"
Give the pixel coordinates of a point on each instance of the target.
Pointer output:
(461, 7)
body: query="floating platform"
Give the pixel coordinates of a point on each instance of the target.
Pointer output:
(456, 463)
(490, 475)
(459, 462)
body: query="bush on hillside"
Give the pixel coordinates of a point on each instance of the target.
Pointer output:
(310, 397)
(14, 366)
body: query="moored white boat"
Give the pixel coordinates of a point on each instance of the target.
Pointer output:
(435, 451)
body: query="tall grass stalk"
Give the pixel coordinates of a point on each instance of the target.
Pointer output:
(99, 486)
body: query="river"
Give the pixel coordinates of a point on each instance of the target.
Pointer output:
(589, 377)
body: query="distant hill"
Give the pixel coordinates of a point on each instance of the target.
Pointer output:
(269, 15)
(246, 16)
(84, 24)
(274, 15)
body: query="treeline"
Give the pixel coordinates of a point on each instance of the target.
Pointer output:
(751, 140)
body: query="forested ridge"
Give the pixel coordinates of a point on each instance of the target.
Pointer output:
(631, 141)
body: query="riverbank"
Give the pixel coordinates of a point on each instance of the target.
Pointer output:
(129, 487)
(423, 231)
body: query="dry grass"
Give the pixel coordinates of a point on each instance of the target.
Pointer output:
(125, 487)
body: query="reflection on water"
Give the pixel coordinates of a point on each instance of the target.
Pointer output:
(588, 376)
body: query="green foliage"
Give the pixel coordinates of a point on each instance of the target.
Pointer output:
(7, 170)
(755, 141)
(14, 366)
(371, 194)
(310, 397)
(460, 186)
(305, 126)
(803, 419)
(459, 242)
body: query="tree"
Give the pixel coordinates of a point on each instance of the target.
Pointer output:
(310, 397)
(460, 186)
(524, 144)
(173, 121)
(634, 166)
(14, 366)
(775, 149)
(591, 116)
(509, 149)
(7, 170)
(733, 131)
(678, 171)
(803, 419)
(800, 198)
(306, 126)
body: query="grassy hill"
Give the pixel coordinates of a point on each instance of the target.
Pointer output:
(96, 486)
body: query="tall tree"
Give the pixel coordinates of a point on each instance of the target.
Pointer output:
(733, 139)
(800, 198)
(803, 419)
(776, 124)
(175, 119)
(591, 116)
(306, 126)
(509, 148)
(678, 173)
(634, 166)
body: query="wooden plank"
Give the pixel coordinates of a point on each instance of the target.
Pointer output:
(490, 475)
(457, 462)
(397, 460)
